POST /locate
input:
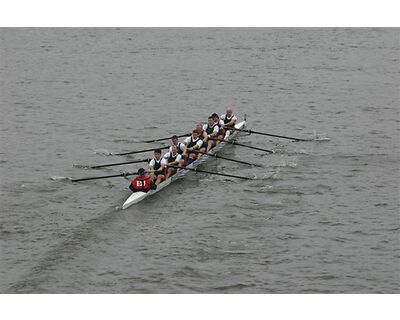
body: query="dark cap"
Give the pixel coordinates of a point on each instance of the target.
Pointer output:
(141, 171)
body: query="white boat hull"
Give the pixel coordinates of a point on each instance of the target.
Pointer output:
(139, 196)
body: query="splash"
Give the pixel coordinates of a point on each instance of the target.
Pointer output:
(59, 178)
(320, 137)
(81, 166)
(127, 140)
(266, 176)
(301, 151)
(102, 152)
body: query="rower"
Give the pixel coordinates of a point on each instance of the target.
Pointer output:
(142, 183)
(229, 121)
(219, 123)
(192, 143)
(211, 129)
(179, 145)
(155, 166)
(172, 158)
(203, 136)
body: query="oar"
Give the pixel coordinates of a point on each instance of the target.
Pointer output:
(117, 163)
(170, 137)
(140, 151)
(269, 134)
(228, 159)
(243, 145)
(210, 172)
(125, 174)
(105, 177)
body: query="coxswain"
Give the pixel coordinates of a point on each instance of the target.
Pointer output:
(155, 167)
(142, 183)
(229, 121)
(192, 143)
(179, 145)
(211, 129)
(172, 158)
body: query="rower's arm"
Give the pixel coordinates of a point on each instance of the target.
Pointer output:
(150, 165)
(231, 124)
(215, 132)
(163, 164)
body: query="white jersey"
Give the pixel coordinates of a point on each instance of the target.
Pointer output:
(188, 141)
(225, 119)
(215, 129)
(220, 122)
(168, 157)
(155, 164)
(179, 146)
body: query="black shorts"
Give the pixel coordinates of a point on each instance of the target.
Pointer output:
(159, 172)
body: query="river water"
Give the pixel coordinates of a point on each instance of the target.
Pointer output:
(322, 216)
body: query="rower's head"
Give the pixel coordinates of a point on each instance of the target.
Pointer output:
(199, 128)
(157, 154)
(174, 140)
(210, 121)
(215, 117)
(195, 134)
(229, 111)
(174, 149)
(141, 172)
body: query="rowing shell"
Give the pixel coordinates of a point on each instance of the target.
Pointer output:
(139, 196)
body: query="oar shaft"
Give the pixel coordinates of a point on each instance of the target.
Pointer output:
(170, 137)
(118, 163)
(211, 172)
(250, 147)
(104, 177)
(228, 159)
(243, 145)
(275, 135)
(140, 151)
(270, 134)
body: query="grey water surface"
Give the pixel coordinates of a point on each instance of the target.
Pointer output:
(320, 217)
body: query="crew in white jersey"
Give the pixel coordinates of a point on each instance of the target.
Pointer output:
(155, 166)
(203, 136)
(192, 143)
(229, 121)
(219, 123)
(211, 129)
(179, 145)
(172, 158)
